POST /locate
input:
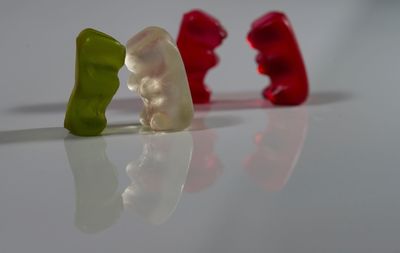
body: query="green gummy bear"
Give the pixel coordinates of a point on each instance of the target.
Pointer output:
(99, 57)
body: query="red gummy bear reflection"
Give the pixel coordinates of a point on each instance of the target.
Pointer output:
(199, 35)
(278, 148)
(279, 58)
(205, 166)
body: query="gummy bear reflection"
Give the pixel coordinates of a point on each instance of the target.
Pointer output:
(199, 35)
(159, 77)
(98, 202)
(278, 148)
(205, 167)
(158, 176)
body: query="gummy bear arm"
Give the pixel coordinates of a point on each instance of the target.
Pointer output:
(133, 83)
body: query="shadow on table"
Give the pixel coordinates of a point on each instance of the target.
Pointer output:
(59, 133)
(328, 97)
(122, 104)
(243, 100)
(32, 135)
(221, 102)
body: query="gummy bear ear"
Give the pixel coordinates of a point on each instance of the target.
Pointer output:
(192, 25)
(263, 35)
(196, 28)
(200, 24)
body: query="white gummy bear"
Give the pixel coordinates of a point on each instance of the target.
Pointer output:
(159, 77)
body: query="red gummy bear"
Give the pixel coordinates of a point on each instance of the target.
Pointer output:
(199, 35)
(279, 58)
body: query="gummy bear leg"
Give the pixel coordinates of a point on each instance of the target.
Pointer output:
(202, 96)
(271, 93)
(160, 122)
(278, 95)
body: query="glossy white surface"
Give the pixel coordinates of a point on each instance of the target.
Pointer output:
(323, 177)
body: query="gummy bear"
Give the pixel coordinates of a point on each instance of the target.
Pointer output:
(98, 60)
(198, 37)
(158, 76)
(279, 58)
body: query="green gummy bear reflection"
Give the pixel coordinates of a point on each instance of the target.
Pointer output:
(99, 57)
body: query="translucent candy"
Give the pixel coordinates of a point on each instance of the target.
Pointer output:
(280, 58)
(278, 148)
(199, 35)
(98, 201)
(205, 166)
(158, 176)
(159, 77)
(98, 60)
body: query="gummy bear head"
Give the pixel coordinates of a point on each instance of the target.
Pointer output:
(145, 51)
(265, 31)
(99, 58)
(100, 49)
(202, 29)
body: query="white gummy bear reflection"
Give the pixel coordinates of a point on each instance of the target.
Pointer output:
(159, 77)
(158, 176)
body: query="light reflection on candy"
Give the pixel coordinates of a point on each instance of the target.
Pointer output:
(159, 77)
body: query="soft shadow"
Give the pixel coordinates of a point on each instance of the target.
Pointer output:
(122, 128)
(221, 121)
(328, 97)
(198, 124)
(243, 100)
(32, 135)
(121, 104)
(240, 100)
(59, 133)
